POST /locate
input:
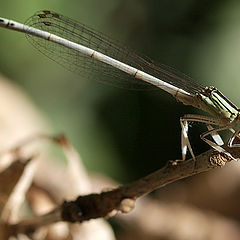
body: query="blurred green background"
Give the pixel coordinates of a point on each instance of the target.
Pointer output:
(127, 134)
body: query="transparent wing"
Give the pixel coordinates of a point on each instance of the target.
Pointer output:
(76, 62)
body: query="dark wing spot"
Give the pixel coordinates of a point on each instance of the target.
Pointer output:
(47, 23)
(55, 15)
(42, 15)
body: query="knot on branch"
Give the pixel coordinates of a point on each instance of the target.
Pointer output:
(219, 159)
(91, 206)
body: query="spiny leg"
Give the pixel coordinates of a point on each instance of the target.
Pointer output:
(216, 145)
(234, 135)
(185, 143)
(216, 137)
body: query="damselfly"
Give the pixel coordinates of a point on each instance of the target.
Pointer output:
(78, 47)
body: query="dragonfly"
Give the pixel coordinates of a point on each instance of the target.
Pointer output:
(78, 47)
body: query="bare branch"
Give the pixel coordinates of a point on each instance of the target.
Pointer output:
(101, 205)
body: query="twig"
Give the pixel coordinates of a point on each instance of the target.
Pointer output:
(101, 205)
(30, 225)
